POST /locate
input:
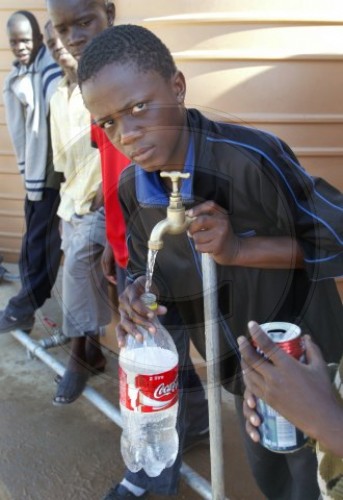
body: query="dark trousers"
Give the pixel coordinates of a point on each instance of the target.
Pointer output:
(40, 255)
(192, 414)
(281, 476)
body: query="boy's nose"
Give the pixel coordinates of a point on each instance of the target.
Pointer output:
(75, 38)
(126, 131)
(129, 136)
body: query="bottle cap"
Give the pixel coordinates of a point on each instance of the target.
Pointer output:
(149, 300)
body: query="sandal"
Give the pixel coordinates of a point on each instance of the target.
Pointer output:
(70, 387)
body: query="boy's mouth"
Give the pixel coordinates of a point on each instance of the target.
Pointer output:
(23, 57)
(142, 155)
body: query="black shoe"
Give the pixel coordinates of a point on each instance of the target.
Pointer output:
(191, 441)
(9, 323)
(119, 491)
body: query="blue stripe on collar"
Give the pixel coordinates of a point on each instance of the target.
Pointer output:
(151, 191)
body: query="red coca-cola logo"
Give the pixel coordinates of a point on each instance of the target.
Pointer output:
(148, 393)
(166, 389)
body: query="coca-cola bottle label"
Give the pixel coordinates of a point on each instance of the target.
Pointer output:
(148, 393)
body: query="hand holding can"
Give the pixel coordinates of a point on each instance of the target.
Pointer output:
(276, 432)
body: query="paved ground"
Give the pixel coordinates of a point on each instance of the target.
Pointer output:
(72, 453)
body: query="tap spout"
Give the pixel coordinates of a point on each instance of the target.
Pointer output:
(176, 222)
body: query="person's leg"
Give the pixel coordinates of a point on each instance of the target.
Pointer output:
(196, 425)
(39, 262)
(86, 308)
(303, 468)
(281, 476)
(40, 255)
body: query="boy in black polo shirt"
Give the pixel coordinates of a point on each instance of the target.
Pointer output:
(274, 232)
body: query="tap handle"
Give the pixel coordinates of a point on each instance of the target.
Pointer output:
(175, 176)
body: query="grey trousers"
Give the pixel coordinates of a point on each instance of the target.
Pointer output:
(86, 305)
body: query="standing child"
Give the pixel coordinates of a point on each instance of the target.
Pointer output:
(27, 92)
(274, 232)
(86, 309)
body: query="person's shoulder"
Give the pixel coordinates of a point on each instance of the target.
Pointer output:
(241, 133)
(127, 181)
(243, 136)
(45, 64)
(129, 173)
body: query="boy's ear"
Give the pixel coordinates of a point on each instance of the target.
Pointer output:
(179, 86)
(111, 13)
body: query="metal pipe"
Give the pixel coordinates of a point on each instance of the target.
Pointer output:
(213, 375)
(194, 480)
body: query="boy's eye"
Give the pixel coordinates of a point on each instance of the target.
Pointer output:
(107, 124)
(83, 24)
(138, 108)
(61, 30)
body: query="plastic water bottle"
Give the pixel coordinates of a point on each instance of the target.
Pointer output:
(148, 374)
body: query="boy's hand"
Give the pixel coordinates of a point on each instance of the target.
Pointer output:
(108, 264)
(212, 232)
(134, 312)
(296, 390)
(252, 418)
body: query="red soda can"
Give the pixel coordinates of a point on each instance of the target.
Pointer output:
(277, 433)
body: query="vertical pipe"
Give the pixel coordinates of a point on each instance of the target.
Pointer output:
(213, 376)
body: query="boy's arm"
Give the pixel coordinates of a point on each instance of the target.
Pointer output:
(212, 233)
(16, 124)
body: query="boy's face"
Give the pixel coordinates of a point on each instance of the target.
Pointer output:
(58, 51)
(23, 43)
(78, 21)
(142, 114)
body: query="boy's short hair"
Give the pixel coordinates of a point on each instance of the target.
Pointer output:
(126, 44)
(36, 31)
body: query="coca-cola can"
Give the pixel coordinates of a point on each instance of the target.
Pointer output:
(277, 433)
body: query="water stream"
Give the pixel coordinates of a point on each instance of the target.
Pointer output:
(150, 269)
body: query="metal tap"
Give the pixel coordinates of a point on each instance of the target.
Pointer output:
(176, 221)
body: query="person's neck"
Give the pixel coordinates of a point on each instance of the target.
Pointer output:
(71, 75)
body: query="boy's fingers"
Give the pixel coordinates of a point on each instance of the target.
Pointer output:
(248, 353)
(268, 347)
(121, 336)
(249, 399)
(208, 207)
(252, 431)
(313, 353)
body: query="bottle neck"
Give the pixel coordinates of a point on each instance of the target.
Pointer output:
(149, 299)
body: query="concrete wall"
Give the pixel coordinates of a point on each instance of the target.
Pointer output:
(271, 64)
